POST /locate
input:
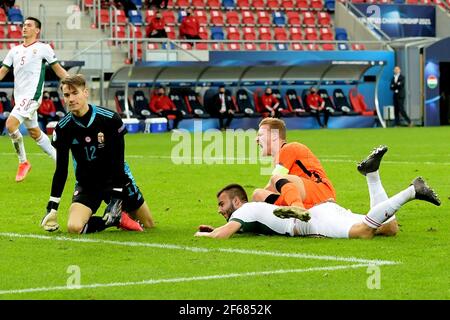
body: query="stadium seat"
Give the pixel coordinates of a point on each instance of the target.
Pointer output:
(119, 32)
(186, 46)
(233, 33)
(250, 46)
(249, 33)
(358, 103)
(328, 47)
(232, 17)
(296, 46)
(243, 4)
(258, 4)
(3, 17)
(245, 104)
(341, 103)
(183, 4)
(248, 18)
(295, 104)
(357, 46)
(287, 111)
(280, 34)
(228, 4)
(293, 18)
(213, 4)
(264, 33)
(217, 46)
(340, 34)
(149, 14)
(272, 4)
(169, 17)
(180, 103)
(278, 18)
(287, 4)
(316, 4)
(281, 46)
(198, 4)
(201, 46)
(201, 17)
(216, 18)
(329, 106)
(141, 105)
(233, 46)
(342, 46)
(310, 34)
(153, 46)
(119, 99)
(217, 33)
(295, 33)
(324, 18)
(266, 46)
(137, 3)
(203, 33)
(329, 5)
(194, 104)
(326, 34)
(263, 18)
(15, 15)
(309, 19)
(120, 17)
(104, 16)
(170, 30)
(14, 32)
(302, 4)
(135, 32)
(304, 101)
(312, 47)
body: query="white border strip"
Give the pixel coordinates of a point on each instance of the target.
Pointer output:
(179, 280)
(199, 249)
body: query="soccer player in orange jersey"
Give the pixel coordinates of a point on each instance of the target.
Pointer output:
(291, 159)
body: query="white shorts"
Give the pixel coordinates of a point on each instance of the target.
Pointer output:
(331, 220)
(27, 114)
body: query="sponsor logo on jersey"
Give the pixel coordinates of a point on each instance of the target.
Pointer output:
(101, 139)
(75, 141)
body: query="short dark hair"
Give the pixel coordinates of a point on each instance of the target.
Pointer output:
(36, 21)
(234, 190)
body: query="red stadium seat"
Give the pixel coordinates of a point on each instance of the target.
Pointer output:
(233, 33)
(169, 17)
(273, 4)
(309, 19)
(135, 31)
(248, 18)
(149, 14)
(297, 46)
(264, 18)
(119, 32)
(266, 46)
(326, 34)
(280, 34)
(311, 34)
(323, 18)
(203, 33)
(232, 17)
(234, 46)
(302, 4)
(201, 46)
(198, 4)
(186, 46)
(358, 103)
(217, 46)
(296, 33)
(3, 17)
(356, 46)
(242, 4)
(213, 4)
(293, 18)
(328, 47)
(250, 46)
(170, 30)
(14, 32)
(264, 33)
(287, 4)
(312, 47)
(316, 4)
(216, 18)
(153, 46)
(201, 17)
(258, 4)
(249, 33)
(182, 3)
(121, 18)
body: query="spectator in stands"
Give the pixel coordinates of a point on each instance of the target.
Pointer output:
(161, 105)
(157, 3)
(223, 107)
(190, 27)
(156, 28)
(398, 87)
(271, 103)
(127, 5)
(6, 4)
(47, 110)
(317, 106)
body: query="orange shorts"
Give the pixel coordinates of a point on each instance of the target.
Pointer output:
(315, 194)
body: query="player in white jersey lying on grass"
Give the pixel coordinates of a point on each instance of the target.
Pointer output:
(29, 63)
(326, 219)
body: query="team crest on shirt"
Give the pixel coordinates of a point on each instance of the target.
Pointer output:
(87, 139)
(101, 139)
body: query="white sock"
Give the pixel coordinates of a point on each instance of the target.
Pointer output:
(384, 210)
(376, 190)
(17, 140)
(44, 142)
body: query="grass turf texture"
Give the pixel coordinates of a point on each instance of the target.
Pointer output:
(183, 196)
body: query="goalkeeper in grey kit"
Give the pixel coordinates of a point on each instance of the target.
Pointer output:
(95, 136)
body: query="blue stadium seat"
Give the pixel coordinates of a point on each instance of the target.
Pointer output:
(228, 4)
(278, 18)
(341, 34)
(281, 46)
(135, 17)
(138, 3)
(15, 16)
(342, 46)
(181, 15)
(217, 33)
(329, 5)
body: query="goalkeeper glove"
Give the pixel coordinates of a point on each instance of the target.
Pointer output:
(113, 211)
(50, 221)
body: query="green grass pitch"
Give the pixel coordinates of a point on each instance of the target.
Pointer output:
(168, 263)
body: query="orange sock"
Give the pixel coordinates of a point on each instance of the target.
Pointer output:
(291, 195)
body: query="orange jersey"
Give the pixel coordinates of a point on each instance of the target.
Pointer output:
(300, 161)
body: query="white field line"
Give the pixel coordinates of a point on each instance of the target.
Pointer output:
(247, 160)
(180, 280)
(199, 249)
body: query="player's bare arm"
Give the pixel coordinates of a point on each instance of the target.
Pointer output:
(59, 71)
(223, 232)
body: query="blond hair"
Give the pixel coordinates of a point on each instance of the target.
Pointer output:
(76, 80)
(275, 124)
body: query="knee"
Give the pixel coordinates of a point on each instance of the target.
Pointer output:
(275, 178)
(258, 195)
(389, 229)
(74, 227)
(35, 133)
(11, 125)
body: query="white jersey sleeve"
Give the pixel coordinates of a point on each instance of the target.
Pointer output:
(48, 54)
(8, 61)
